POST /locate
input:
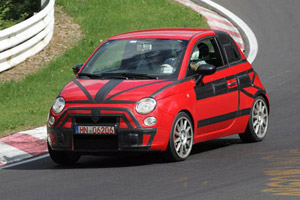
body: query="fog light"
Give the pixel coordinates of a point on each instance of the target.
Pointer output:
(150, 121)
(51, 120)
(50, 139)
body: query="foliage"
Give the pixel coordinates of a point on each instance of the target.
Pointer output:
(15, 11)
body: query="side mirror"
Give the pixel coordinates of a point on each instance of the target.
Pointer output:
(76, 68)
(204, 70)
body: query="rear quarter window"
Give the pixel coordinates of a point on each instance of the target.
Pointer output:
(232, 52)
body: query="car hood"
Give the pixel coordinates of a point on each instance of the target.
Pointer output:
(111, 91)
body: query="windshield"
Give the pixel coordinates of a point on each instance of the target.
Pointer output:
(136, 59)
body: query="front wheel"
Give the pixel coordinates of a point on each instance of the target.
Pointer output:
(181, 138)
(63, 157)
(258, 122)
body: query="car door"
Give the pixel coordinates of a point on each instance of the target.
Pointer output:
(217, 95)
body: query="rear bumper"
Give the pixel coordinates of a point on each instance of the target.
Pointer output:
(124, 140)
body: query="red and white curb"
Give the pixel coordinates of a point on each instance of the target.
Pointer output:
(31, 145)
(23, 145)
(216, 21)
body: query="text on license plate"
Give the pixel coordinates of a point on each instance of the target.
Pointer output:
(107, 130)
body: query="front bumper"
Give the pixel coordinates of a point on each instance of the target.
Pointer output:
(124, 140)
(131, 134)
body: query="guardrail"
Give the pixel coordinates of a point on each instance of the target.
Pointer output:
(27, 38)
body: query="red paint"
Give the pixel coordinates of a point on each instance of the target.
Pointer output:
(146, 139)
(122, 124)
(68, 123)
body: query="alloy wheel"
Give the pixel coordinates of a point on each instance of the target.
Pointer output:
(183, 137)
(260, 118)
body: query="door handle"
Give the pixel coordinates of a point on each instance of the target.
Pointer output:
(232, 83)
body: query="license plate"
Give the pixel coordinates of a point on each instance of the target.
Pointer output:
(97, 130)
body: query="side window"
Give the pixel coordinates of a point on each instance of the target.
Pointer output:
(205, 52)
(232, 52)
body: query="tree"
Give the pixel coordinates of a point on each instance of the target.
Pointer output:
(14, 11)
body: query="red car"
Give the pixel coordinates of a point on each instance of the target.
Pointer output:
(158, 90)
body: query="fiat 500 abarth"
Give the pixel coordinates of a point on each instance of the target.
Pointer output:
(158, 90)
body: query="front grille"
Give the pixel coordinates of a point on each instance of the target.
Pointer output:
(96, 120)
(95, 142)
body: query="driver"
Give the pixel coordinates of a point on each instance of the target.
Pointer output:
(199, 56)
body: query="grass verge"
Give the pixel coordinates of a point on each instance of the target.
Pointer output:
(25, 104)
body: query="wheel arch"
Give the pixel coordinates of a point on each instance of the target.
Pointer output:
(190, 115)
(263, 95)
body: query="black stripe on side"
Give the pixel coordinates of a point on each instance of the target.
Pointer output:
(217, 119)
(112, 96)
(171, 84)
(221, 118)
(260, 92)
(257, 87)
(247, 93)
(219, 86)
(244, 112)
(204, 91)
(253, 78)
(104, 90)
(245, 72)
(84, 90)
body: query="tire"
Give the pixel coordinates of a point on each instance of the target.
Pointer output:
(258, 122)
(63, 157)
(181, 138)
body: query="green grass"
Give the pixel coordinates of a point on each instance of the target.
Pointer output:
(25, 104)
(8, 23)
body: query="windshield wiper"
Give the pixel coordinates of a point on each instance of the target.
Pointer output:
(123, 75)
(138, 75)
(128, 75)
(90, 75)
(114, 75)
(101, 76)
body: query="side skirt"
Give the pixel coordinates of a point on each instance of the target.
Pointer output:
(238, 126)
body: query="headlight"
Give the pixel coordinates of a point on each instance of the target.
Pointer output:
(58, 105)
(145, 106)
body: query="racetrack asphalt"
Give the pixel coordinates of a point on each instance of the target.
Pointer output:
(220, 169)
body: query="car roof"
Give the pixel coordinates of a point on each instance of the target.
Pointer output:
(165, 33)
